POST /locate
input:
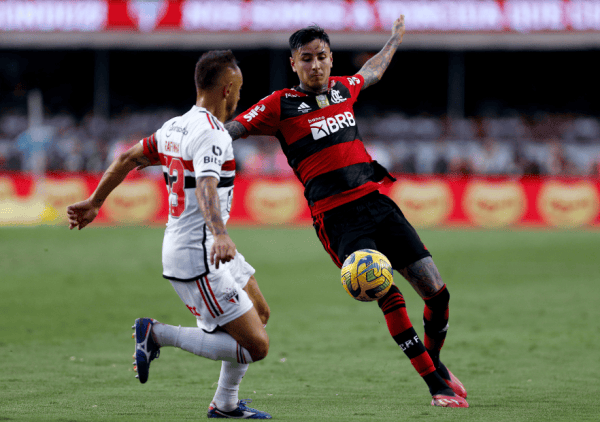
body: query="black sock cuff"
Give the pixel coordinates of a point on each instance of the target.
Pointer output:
(440, 300)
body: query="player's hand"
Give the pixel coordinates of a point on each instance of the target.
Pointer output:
(81, 214)
(222, 250)
(398, 29)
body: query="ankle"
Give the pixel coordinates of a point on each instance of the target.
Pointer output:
(437, 385)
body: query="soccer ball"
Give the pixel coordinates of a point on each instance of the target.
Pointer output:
(367, 275)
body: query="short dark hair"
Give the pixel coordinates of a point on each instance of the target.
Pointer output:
(210, 66)
(305, 35)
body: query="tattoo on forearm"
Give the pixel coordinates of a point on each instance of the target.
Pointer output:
(424, 277)
(210, 205)
(373, 69)
(236, 129)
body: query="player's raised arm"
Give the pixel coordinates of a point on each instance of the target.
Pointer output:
(223, 248)
(83, 213)
(236, 129)
(373, 69)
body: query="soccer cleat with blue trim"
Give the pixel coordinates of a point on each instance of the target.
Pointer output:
(453, 382)
(241, 412)
(146, 349)
(448, 401)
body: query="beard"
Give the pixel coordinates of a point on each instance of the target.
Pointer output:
(229, 109)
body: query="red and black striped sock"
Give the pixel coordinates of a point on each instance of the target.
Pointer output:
(435, 321)
(402, 331)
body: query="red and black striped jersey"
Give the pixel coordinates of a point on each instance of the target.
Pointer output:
(320, 138)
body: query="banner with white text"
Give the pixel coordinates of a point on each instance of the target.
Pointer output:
(464, 16)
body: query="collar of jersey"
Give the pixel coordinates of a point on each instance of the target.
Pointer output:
(309, 93)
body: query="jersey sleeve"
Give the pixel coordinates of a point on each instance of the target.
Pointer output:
(354, 85)
(263, 117)
(208, 153)
(150, 145)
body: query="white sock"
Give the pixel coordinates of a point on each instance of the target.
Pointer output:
(226, 396)
(215, 346)
(165, 335)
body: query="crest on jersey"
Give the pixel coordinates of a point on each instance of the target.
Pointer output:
(322, 101)
(336, 97)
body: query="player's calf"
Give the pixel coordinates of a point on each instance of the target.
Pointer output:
(259, 347)
(435, 322)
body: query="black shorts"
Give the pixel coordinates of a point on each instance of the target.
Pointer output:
(371, 222)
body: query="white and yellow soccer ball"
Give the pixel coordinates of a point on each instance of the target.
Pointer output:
(367, 275)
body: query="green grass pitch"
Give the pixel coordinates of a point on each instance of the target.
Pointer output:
(524, 330)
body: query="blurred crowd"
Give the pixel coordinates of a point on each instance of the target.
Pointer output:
(544, 144)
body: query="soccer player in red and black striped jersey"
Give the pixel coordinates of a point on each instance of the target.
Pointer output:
(315, 125)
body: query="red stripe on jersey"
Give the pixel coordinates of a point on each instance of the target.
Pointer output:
(228, 165)
(151, 149)
(166, 161)
(333, 158)
(217, 124)
(209, 121)
(204, 298)
(212, 294)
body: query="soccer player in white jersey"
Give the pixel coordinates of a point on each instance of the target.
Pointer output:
(199, 258)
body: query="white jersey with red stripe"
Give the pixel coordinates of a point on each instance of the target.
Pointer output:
(188, 147)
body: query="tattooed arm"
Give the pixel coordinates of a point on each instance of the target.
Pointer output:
(424, 277)
(373, 69)
(223, 248)
(83, 213)
(236, 129)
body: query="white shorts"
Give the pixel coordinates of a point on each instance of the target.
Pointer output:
(218, 298)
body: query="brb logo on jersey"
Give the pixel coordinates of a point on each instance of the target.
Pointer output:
(325, 126)
(254, 112)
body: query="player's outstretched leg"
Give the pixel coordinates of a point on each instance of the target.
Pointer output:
(146, 349)
(240, 412)
(404, 334)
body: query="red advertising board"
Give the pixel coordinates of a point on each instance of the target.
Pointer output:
(427, 201)
(283, 15)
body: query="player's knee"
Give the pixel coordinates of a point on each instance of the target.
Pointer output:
(264, 313)
(260, 348)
